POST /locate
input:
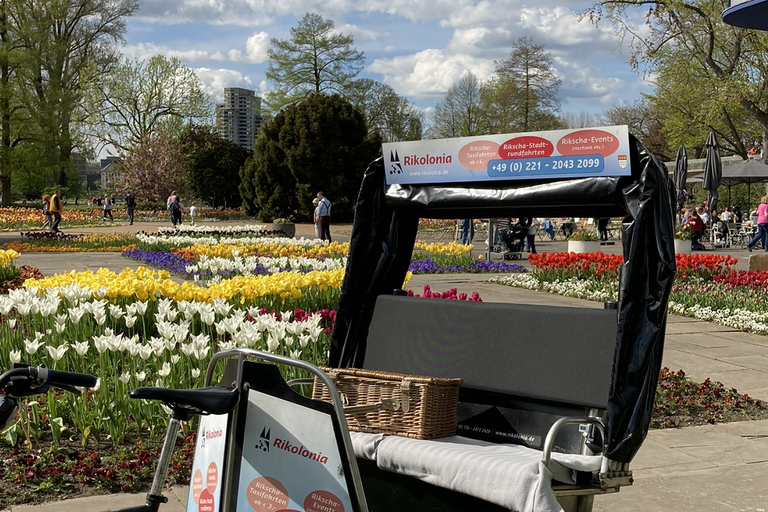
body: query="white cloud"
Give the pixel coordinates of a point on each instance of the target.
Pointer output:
(428, 73)
(144, 51)
(256, 48)
(215, 80)
(215, 12)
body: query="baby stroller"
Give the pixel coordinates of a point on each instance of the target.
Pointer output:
(511, 242)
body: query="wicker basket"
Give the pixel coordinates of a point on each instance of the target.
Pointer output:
(392, 403)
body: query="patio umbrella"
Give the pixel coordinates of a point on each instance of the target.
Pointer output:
(747, 171)
(681, 175)
(713, 171)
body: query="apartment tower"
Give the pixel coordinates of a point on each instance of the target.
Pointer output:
(238, 119)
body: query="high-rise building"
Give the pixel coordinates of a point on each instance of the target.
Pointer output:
(238, 119)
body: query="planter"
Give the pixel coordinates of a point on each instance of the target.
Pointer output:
(682, 246)
(288, 229)
(582, 246)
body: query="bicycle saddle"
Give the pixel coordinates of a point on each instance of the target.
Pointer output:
(210, 400)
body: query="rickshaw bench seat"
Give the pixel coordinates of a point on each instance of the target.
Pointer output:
(524, 368)
(509, 475)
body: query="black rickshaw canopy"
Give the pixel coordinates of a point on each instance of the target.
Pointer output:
(385, 228)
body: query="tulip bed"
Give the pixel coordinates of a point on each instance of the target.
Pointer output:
(706, 286)
(16, 218)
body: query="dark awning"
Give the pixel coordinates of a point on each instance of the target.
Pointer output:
(747, 14)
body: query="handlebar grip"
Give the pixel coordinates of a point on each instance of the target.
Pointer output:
(59, 378)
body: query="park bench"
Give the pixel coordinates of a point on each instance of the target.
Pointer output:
(535, 387)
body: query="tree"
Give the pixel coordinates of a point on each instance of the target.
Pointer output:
(721, 66)
(321, 143)
(11, 117)
(391, 115)
(498, 105)
(138, 98)
(153, 169)
(315, 59)
(459, 114)
(64, 41)
(534, 85)
(215, 172)
(646, 125)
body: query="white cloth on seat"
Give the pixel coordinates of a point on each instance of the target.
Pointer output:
(512, 476)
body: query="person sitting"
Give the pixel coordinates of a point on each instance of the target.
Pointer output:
(703, 215)
(696, 225)
(568, 227)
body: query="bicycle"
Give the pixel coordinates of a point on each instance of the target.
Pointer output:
(229, 404)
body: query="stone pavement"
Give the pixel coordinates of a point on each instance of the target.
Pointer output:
(717, 468)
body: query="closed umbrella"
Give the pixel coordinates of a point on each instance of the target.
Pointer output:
(713, 171)
(681, 176)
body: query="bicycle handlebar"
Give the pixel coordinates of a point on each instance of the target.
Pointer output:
(23, 380)
(59, 378)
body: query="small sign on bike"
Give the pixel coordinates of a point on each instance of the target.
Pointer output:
(205, 487)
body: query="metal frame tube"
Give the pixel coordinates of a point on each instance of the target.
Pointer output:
(161, 471)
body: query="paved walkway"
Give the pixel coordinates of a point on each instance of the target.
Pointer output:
(717, 468)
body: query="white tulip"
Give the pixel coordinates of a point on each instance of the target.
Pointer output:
(165, 371)
(15, 356)
(31, 346)
(57, 353)
(125, 377)
(145, 351)
(195, 373)
(81, 347)
(140, 376)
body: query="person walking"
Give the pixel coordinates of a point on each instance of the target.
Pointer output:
(168, 204)
(324, 216)
(315, 203)
(467, 231)
(47, 211)
(55, 208)
(176, 212)
(762, 226)
(192, 213)
(108, 209)
(533, 227)
(130, 205)
(602, 228)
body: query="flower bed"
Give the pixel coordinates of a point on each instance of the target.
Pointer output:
(43, 241)
(706, 286)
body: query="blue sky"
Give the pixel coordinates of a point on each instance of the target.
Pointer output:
(418, 47)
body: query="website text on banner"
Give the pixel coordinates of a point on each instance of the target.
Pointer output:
(602, 151)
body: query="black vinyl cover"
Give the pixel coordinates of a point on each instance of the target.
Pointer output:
(384, 232)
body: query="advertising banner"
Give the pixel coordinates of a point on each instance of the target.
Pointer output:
(207, 469)
(584, 152)
(290, 459)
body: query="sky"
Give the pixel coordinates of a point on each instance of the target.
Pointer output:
(418, 47)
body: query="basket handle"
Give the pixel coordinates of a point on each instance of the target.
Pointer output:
(384, 405)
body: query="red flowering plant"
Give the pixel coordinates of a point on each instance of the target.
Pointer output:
(704, 266)
(561, 266)
(681, 402)
(451, 294)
